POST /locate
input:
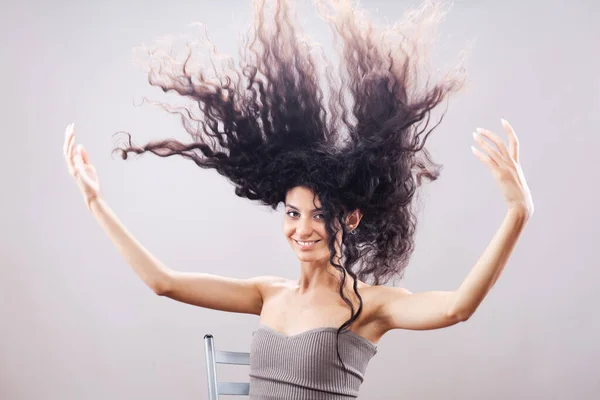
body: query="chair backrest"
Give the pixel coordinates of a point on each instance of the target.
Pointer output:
(214, 357)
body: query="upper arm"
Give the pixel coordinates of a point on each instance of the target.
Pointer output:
(398, 308)
(217, 292)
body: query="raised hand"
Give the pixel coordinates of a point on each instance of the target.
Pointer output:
(503, 161)
(78, 162)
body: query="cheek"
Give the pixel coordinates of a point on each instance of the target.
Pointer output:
(287, 229)
(323, 232)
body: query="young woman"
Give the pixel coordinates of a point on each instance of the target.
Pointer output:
(346, 174)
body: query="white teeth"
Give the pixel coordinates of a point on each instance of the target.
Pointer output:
(306, 243)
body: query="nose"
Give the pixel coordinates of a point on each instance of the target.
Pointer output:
(304, 227)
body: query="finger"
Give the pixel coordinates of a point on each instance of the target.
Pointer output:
(76, 166)
(77, 160)
(72, 141)
(492, 153)
(81, 172)
(66, 146)
(84, 154)
(500, 144)
(78, 163)
(483, 158)
(67, 138)
(68, 153)
(513, 140)
(71, 151)
(78, 151)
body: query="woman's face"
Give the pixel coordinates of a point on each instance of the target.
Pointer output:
(304, 225)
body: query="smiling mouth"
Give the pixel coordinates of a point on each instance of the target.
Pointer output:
(306, 244)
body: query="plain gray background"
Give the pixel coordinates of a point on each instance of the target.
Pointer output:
(77, 323)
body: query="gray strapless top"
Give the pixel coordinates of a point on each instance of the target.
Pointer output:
(306, 366)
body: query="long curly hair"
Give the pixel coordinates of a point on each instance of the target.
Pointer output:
(269, 126)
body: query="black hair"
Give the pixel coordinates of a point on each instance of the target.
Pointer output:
(268, 127)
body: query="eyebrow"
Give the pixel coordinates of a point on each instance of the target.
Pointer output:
(296, 208)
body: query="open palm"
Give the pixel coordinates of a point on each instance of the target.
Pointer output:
(80, 168)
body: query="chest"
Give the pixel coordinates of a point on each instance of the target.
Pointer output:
(292, 315)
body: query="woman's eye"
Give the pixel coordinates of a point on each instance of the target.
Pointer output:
(294, 214)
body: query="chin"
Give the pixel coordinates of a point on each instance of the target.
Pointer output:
(305, 257)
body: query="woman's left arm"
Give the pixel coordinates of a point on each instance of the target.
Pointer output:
(503, 161)
(401, 309)
(488, 268)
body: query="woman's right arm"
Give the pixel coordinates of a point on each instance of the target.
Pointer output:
(199, 289)
(154, 274)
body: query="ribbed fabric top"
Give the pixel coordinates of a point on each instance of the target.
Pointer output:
(306, 366)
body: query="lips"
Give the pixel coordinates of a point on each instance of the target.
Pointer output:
(312, 243)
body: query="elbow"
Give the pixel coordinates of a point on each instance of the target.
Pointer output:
(160, 289)
(162, 286)
(459, 315)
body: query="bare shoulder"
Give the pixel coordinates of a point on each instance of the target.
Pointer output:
(269, 284)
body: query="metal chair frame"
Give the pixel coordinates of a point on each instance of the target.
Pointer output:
(214, 357)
